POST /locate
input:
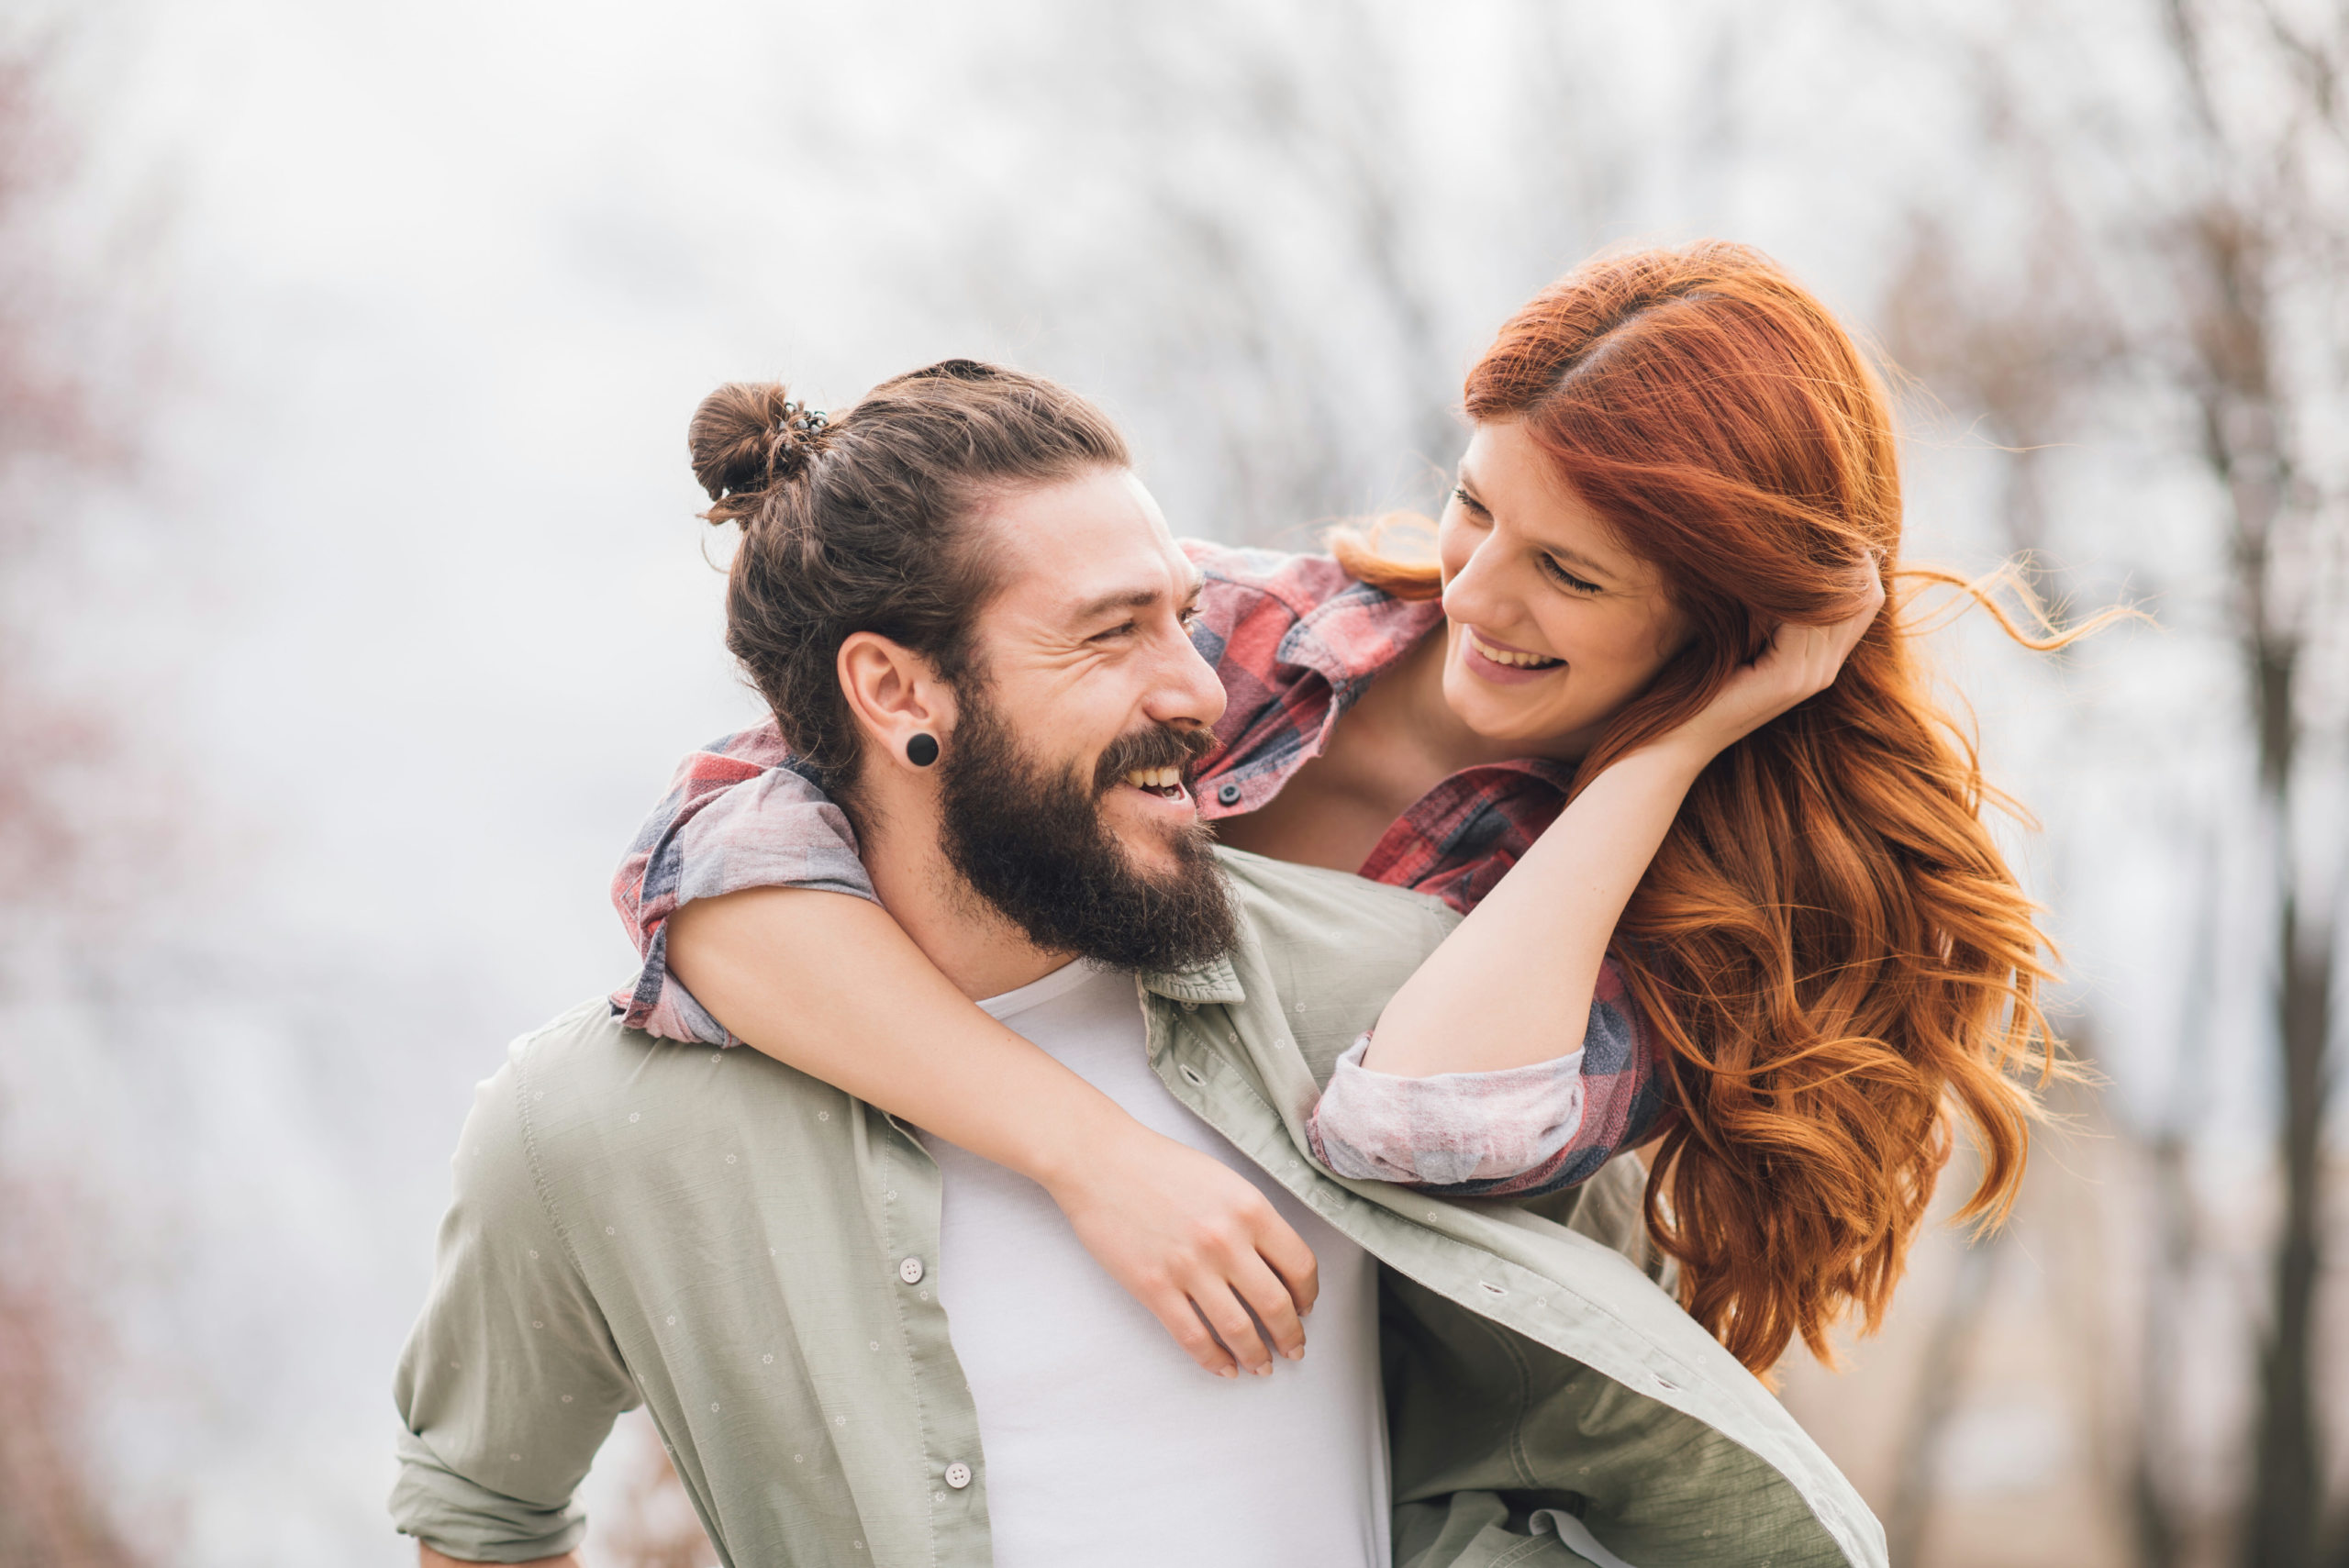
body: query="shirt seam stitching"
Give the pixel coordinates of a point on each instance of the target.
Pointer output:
(913, 1362)
(538, 1182)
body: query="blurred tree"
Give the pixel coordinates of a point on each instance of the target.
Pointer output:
(2023, 358)
(1254, 231)
(2226, 231)
(51, 1516)
(1276, 248)
(2258, 243)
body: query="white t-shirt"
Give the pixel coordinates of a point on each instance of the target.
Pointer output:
(1104, 1442)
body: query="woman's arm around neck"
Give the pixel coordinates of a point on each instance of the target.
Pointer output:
(831, 986)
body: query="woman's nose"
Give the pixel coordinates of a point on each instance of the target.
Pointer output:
(1468, 594)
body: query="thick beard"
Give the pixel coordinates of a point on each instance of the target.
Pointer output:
(1030, 841)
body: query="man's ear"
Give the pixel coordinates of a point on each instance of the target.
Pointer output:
(895, 695)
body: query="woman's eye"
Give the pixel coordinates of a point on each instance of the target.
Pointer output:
(1474, 506)
(1565, 579)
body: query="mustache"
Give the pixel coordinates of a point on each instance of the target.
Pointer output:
(1155, 746)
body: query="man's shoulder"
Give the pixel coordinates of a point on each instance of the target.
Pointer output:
(585, 1054)
(1328, 949)
(1288, 901)
(589, 1089)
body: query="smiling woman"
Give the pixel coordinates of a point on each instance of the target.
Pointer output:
(1676, 454)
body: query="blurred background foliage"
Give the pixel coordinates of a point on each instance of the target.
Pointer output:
(352, 611)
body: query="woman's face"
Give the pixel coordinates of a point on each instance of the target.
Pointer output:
(1553, 624)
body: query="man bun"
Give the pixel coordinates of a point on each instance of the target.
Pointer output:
(746, 437)
(871, 522)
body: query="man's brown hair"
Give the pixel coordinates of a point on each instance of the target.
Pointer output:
(864, 521)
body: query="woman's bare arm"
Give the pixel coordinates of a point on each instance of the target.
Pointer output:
(1522, 966)
(832, 985)
(1512, 984)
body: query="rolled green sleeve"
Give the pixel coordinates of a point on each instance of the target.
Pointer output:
(510, 1380)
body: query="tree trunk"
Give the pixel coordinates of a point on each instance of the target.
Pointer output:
(2289, 1488)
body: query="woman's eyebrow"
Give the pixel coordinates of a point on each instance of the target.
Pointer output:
(1574, 557)
(1467, 483)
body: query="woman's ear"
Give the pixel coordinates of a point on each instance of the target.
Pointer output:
(896, 697)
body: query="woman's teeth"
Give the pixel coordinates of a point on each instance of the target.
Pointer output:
(1156, 778)
(1503, 656)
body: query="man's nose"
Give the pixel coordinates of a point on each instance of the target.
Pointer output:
(1188, 691)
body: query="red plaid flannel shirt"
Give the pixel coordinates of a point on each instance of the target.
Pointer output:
(1296, 641)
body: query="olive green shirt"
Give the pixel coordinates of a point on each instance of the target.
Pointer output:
(753, 1253)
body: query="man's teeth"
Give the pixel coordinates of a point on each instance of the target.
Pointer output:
(1156, 778)
(1503, 656)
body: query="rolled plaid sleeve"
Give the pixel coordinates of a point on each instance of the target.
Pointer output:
(1510, 1133)
(740, 813)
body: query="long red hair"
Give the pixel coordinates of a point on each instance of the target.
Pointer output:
(1829, 946)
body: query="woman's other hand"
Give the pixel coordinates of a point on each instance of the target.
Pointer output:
(1801, 662)
(1194, 1241)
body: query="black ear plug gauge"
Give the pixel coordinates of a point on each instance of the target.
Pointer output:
(922, 750)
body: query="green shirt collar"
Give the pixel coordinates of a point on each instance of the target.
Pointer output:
(1214, 980)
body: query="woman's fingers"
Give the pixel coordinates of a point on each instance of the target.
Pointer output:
(1827, 646)
(1264, 1293)
(1852, 627)
(1230, 1279)
(1273, 1272)
(1221, 1319)
(1798, 663)
(1229, 1319)
(1181, 1320)
(1807, 658)
(1285, 1251)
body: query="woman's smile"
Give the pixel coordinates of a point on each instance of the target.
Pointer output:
(1497, 662)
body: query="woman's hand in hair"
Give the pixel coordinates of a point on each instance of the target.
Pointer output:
(1799, 663)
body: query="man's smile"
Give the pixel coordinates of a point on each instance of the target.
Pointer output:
(1167, 783)
(1158, 795)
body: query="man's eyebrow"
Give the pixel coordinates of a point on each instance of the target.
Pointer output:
(1136, 598)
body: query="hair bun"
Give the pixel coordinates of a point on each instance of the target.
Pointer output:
(745, 436)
